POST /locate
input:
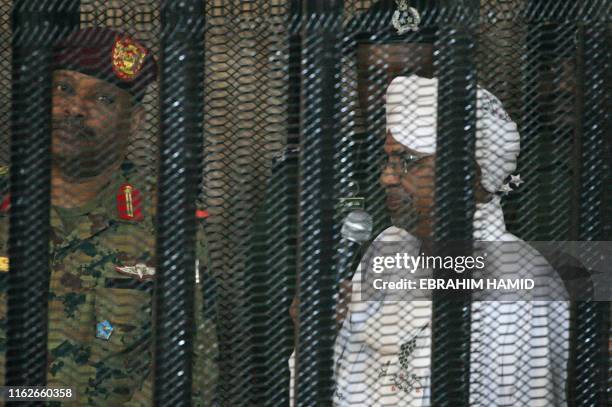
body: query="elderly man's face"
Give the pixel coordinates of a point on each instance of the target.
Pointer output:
(92, 122)
(408, 178)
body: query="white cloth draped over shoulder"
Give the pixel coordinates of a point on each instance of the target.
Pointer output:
(519, 349)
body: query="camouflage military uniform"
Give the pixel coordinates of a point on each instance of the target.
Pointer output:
(88, 245)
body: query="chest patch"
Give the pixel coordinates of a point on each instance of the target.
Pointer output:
(141, 271)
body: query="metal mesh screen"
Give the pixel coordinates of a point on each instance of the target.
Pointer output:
(194, 195)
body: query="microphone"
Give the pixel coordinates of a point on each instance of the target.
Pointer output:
(357, 226)
(356, 230)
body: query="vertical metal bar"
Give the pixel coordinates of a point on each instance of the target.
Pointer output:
(320, 70)
(181, 96)
(283, 219)
(272, 262)
(295, 55)
(592, 318)
(36, 26)
(454, 203)
(535, 133)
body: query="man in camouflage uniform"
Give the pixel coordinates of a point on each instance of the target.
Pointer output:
(102, 246)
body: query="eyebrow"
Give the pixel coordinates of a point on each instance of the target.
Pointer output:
(104, 87)
(63, 76)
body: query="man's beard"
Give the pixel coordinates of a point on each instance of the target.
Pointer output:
(404, 216)
(78, 153)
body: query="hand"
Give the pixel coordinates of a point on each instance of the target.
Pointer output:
(344, 299)
(293, 311)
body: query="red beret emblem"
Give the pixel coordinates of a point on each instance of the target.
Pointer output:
(128, 58)
(129, 203)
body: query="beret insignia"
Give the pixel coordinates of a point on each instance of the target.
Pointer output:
(405, 18)
(128, 58)
(129, 202)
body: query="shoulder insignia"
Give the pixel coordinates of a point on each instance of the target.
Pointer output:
(4, 170)
(128, 58)
(4, 264)
(5, 205)
(129, 201)
(202, 213)
(142, 271)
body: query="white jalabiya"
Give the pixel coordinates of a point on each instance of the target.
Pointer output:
(519, 349)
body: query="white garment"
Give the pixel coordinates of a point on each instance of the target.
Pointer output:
(519, 349)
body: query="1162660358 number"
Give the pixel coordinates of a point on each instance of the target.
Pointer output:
(37, 393)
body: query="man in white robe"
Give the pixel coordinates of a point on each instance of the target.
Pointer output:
(518, 349)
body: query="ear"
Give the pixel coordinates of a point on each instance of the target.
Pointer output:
(138, 114)
(481, 195)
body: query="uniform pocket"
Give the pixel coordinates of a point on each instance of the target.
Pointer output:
(123, 360)
(126, 305)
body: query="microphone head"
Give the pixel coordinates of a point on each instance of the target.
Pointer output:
(357, 226)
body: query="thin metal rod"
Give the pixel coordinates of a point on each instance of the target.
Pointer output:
(592, 318)
(318, 234)
(454, 198)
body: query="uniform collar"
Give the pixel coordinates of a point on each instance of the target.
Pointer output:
(97, 213)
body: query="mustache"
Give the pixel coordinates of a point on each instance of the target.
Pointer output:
(74, 126)
(398, 194)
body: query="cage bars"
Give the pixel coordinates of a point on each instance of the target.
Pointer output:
(454, 204)
(181, 90)
(36, 26)
(320, 70)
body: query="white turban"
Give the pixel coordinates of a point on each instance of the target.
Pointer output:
(412, 114)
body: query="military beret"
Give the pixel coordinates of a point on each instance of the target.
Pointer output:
(399, 21)
(108, 55)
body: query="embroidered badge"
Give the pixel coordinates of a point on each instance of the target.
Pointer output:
(4, 264)
(407, 348)
(405, 18)
(128, 58)
(382, 372)
(104, 330)
(128, 203)
(405, 352)
(406, 382)
(402, 379)
(142, 271)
